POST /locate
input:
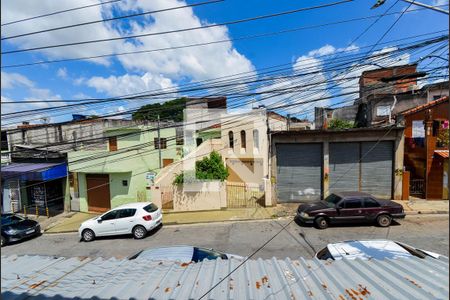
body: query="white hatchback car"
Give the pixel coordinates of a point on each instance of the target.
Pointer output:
(132, 218)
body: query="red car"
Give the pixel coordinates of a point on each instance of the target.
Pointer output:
(347, 207)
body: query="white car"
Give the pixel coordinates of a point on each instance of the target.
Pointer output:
(183, 254)
(132, 218)
(371, 249)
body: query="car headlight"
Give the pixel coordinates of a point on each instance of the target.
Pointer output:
(303, 214)
(11, 231)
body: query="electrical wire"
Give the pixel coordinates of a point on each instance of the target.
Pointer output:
(112, 19)
(261, 17)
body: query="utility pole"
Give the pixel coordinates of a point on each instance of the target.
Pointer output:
(159, 145)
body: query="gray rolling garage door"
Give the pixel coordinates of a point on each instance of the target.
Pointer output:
(299, 172)
(344, 167)
(376, 168)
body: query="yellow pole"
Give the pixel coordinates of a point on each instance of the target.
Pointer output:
(25, 210)
(46, 210)
(37, 211)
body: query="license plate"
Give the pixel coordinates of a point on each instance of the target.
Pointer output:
(29, 231)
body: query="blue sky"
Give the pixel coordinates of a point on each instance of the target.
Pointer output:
(151, 71)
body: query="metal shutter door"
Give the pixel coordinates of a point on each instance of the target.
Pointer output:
(344, 167)
(299, 172)
(376, 168)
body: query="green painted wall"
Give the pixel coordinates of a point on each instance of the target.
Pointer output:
(131, 165)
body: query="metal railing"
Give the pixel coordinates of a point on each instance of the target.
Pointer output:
(242, 195)
(417, 187)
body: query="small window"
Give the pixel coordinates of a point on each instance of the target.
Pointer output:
(125, 182)
(162, 144)
(369, 202)
(243, 140)
(230, 139)
(126, 213)
(256, 138)
(383, 110)
(352, 203)
(151, 208)
(179, 136)
(110, 216)
(112, 143)
(4, 140)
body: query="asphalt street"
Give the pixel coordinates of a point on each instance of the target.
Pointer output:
(429, 232)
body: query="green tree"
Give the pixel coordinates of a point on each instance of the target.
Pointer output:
(209, 168)
(170, 110)
(340, 124)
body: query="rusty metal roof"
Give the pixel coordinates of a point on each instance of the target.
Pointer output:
(42, 277)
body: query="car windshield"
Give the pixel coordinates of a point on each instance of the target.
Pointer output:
(10, 219)
(151, 208)
(202, 253)
(332, 200)
(412, 251)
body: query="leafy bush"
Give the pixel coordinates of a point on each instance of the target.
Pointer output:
(340, 124)
(209, 168)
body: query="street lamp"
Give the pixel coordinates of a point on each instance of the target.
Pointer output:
(381, 2)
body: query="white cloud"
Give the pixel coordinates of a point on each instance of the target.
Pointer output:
(14, 10)
(33, 93)
(62, 73)
(129, 84)
(12, 80)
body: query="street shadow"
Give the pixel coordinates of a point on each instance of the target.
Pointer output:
(344, 225)
(23, 240)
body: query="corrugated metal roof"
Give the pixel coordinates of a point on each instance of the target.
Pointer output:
(67, 278)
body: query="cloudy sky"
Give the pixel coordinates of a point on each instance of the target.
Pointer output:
(128, 74)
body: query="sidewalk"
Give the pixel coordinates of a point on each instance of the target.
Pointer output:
(70, 222)
(419, 206)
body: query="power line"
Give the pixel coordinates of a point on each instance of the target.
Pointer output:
(183, 29)
(111, 19)
(102, 100)
(242, 38)
(60, 12)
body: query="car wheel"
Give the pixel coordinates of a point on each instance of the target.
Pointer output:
(88, 235)
(321, 222)
(3, 241)
(384, 220)
(139, 232)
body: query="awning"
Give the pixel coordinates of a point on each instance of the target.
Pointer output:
(34, 171)
(442, 153)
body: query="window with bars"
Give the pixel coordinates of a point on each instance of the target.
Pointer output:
(162, 144)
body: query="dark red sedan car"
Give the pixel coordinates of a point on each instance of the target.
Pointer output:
(349, 207)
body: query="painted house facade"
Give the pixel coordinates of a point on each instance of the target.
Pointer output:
(124, 168)
(426, 149)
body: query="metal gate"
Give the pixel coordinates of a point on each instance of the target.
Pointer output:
(376, 168)
(167, 197)
(362, 166)
(241, 195)
(299, 172)
(344, 167)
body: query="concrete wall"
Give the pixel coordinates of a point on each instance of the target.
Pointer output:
(199, 196)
